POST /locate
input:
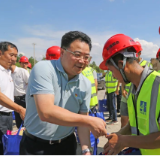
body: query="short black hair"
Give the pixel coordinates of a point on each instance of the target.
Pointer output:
(4, 46)
(71, 36)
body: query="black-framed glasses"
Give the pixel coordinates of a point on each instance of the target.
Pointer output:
(78, 55)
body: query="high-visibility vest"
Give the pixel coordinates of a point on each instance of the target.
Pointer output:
(143, 63)
(158, 71)
(88, 73)
(111, 82)
(147, 110)
(29, 70)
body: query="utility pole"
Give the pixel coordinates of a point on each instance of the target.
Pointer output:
(34, 51)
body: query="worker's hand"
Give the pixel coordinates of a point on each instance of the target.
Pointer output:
(87, 153)
(124, 93)
(117, 92)
(22, 113)
(114, 144)
(97, 127)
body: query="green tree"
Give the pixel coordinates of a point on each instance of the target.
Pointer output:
(19, 56)
(31, 60)
(94, 66)
(44, 58)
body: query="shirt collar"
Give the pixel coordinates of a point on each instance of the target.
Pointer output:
(16, 69)
(61, 69)
(145, 73)
(3, 69)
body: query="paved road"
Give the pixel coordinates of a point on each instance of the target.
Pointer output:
(109, 128)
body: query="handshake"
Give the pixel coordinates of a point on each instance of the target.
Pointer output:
(114, 144)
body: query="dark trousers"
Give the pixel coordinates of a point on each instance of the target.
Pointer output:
(6, 123)
(119, 100)
(29, 146)
(112, 106)
(21, 101)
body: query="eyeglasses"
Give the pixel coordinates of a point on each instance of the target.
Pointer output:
(79, 56)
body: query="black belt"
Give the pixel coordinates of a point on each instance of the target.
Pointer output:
(45, 141)
(6, 113)
(19, 97)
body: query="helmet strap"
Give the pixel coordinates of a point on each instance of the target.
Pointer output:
(121, 70)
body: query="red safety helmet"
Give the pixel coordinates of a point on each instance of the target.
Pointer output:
(115, 44)
(158, 54)
(29, 65)
(139, 47)
(23, 59)
(53, 53)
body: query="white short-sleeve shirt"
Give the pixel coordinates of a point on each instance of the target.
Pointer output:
(20, 78)
(6, 86)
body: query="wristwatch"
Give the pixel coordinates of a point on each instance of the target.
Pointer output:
(87, 150)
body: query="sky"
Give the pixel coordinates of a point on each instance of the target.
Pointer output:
(44, 22)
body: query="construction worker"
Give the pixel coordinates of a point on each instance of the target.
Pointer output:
(53, 53)
(88, 72)
(158, 57)
(119, 56)
(29, 67)
(95, 79)
(24, 62)
(125, 88)
(111, 88)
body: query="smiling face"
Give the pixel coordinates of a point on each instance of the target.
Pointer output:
(8, 58)
(70, 63)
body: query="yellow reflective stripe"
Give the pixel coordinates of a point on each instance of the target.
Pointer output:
(93, 84)
(152, 114)
(110, 81)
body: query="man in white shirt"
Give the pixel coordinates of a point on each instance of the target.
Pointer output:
(20, 78)
(8, 52)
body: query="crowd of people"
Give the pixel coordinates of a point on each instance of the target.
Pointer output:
(57, 95)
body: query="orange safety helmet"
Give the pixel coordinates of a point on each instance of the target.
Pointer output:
(139, 49)
(158, 54)
(29, 65)
(53, 53)
(23, 59)
(115, 44)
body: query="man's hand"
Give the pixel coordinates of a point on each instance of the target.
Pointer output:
(97, 127)
(114, 144)
(117, 92)
(87, 153)
(124, 93)
(22, 113)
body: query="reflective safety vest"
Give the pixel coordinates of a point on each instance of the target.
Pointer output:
(145, 110)
(143, 63)
(158, 71)
(111, 83)
(87, 72)
(29, 70)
